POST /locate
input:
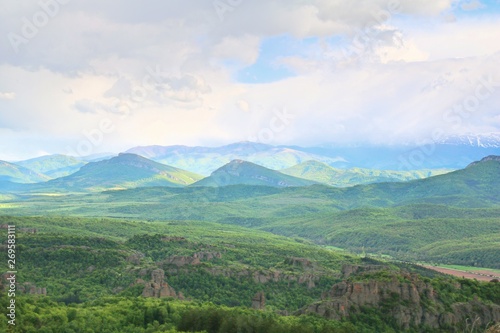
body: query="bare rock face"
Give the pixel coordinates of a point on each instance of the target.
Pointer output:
(157, 287)
(30, 288)
(409, 300)
(266, 276)
(259, 301)
(135, 258)
(193, 260)
(21, 288)
(300, 262)
(477, 311)
(348, 270)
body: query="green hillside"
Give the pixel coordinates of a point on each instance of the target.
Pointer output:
(451, 218)
(325, 174)
(10, 172)
(239, 172)
(84, 259)
(124, 171)
(84, 275)
(205, 160)
(426, 233)
(54, 166)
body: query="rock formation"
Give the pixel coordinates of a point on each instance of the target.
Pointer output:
(21, 288)
(30, 288)
(193, 260)
(300, 262)
(259, 301)
(405, 297)
(157, 287)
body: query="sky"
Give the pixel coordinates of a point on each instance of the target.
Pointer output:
(83, 77)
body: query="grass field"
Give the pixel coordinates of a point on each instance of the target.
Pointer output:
(467, 272)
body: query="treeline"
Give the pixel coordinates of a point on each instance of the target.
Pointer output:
(141, 315)
(74, 265)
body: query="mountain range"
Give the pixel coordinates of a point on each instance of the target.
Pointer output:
(54, 166)
(124, 171)
(331, 165)
(325, 174)
(204, 160)
(450, 153)
(451, 217)
(10, 172)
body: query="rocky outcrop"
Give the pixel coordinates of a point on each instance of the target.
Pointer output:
(263, 277)
(348, 270)
(30, 288)
(21, 288)
(485, 159)
(406, 298)
(474, 310)
(300, 262)
(157, 287)
(259, 301)
(195, 259)
(135, 258)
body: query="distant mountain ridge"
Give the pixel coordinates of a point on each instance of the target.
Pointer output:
(239, 172)
(451, 153)
(10, 172)
(125, 171)
(323, 173)
(486, 159)
(204, 160)
(54, 166)
(491, 140)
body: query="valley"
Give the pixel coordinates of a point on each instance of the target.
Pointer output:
(249, 245)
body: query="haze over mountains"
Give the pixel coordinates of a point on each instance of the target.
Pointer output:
(264, 165)
(205, 160)
(323, 173)
(452, 153)
(125, 171)
(451, 217)
(19, 174)
(54, 166)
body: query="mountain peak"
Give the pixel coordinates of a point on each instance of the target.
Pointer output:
(486, 159)
(238, 161)
(127, 171)
(247, 173)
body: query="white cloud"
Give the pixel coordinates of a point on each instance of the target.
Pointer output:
(7, 95)
(244, 49)
(165, 73)
(472, 5)
(460, 39)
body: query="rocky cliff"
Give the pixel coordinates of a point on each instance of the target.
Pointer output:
(405, 298)
(259, 301)
(157, 287)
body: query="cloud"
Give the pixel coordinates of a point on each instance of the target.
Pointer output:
(7, 95)
(85, 106)
(472, 5)
(244, 49)
(375, 71)
(81, 33)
